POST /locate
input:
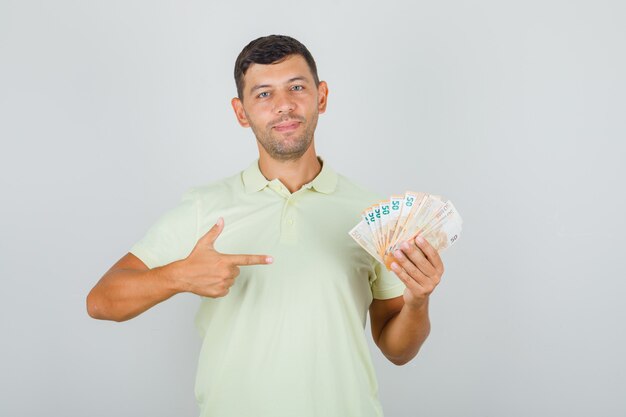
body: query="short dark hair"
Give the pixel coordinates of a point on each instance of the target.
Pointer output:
(268, 50)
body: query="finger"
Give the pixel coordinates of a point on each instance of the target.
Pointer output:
(231, 281)
(244, 260)
(404, 277)
(418, 258)
(211, 236)
(430, 253)
(412, 271)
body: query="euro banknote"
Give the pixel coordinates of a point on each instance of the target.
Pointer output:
(386, 224)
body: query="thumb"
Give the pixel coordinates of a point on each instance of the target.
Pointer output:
(211, 236)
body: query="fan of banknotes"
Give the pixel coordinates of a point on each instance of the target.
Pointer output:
(387, 224)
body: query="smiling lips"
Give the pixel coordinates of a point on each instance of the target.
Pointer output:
(287, 126)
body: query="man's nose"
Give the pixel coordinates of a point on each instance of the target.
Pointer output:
(283, 103)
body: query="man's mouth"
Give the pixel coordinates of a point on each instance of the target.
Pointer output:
(286, 126)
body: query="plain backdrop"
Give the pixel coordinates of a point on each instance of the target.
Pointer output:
(110, 110)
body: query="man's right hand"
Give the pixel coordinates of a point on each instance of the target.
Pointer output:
(129, 287)
(209, 273)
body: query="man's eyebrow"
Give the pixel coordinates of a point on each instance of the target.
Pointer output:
(260, 86)
(300, 78)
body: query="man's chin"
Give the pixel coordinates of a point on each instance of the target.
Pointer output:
(287, 153)
(287, 156)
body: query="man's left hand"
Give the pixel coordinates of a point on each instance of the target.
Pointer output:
(419, 266)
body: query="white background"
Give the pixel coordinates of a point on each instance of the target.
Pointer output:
(515, 111)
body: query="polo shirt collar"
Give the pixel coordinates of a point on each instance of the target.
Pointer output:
(252, 178)
(325, 182)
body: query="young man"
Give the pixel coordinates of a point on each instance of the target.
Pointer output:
(285, 290)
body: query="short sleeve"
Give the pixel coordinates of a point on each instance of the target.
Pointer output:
(172, 237)
(386, 284)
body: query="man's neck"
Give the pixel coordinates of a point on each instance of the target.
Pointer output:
(294, 173)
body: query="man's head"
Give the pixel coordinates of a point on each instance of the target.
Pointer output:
(269, 50)
(280, 96)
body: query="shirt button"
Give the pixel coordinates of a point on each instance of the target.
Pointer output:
(290, 222)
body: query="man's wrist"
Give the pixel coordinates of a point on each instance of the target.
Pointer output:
(420, 309)
(172, 275)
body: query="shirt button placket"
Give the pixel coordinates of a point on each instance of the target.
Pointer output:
(289, 234)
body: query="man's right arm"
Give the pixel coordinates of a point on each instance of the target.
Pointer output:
(129, 288)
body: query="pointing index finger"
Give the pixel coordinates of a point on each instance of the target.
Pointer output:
(244, 260)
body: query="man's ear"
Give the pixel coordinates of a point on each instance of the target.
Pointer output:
(239, 112)
(322, 96)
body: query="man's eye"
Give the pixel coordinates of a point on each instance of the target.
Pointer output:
(297, 88)
(263, 94)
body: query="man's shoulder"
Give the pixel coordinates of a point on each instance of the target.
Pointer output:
(349, 188)
(226, 187)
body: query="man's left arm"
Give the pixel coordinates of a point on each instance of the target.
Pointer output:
(401, 325)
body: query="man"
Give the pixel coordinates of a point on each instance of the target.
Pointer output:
(285, 291)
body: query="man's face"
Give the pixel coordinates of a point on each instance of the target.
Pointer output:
(281, 104)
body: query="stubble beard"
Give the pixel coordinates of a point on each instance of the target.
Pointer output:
(286, 148)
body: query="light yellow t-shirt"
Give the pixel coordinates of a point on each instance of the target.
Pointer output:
(288, 340)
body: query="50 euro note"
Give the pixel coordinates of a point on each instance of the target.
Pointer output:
(442, 232)
(387, 224)
(361, 233)
(409, 204)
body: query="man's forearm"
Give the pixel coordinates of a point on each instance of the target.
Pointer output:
(125, 293)
(403, 335)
